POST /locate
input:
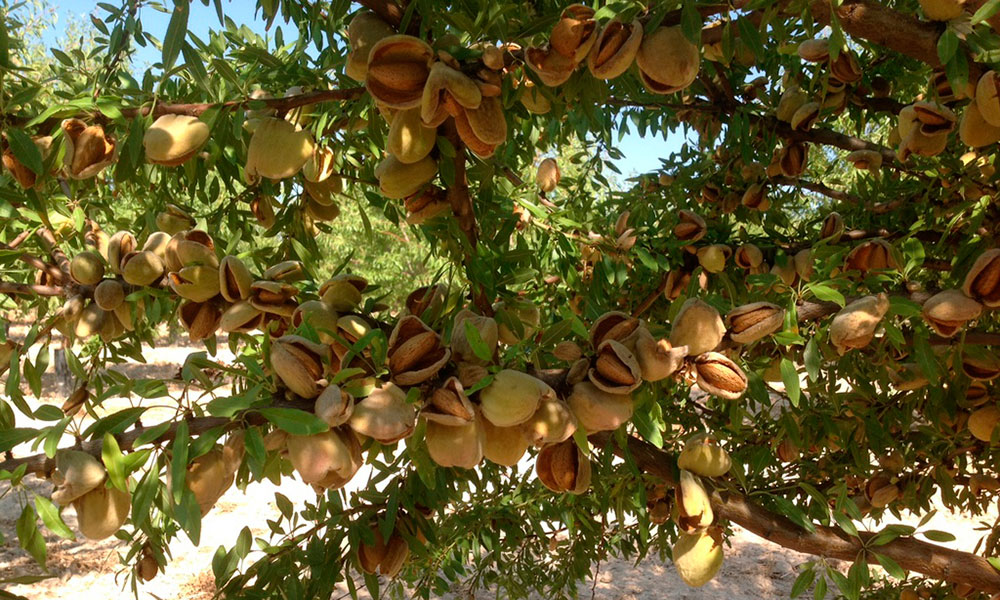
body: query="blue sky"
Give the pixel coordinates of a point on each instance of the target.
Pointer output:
(641, 154)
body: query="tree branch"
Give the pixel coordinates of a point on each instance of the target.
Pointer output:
(912, 554)
(816, 135)
(19, 238)
(40, 464)
(813, 186)
(652, 297)
(886, 27)
(279, 104)
(461, 204)
(48, 241)
(36, 263)
(28, 289)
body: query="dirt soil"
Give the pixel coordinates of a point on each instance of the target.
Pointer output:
(84, 570)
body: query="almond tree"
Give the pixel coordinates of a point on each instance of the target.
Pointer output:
(788, 327)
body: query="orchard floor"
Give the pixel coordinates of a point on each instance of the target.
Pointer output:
(82, 570)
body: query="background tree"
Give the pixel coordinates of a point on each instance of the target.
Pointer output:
(834, 203)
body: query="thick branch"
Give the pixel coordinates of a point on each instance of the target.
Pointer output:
(910, 553)
(827, 137)
(879, 24)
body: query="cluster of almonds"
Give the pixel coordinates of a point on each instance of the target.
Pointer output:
(698, 553)
(946, 312)
(923, 127)
(667, 61)
(82, 481)
(801, 110)
(417, 89)
(980, 125)
(278, 149)
(514, 412)
(713, 258)
(106, 279)
(88, 151)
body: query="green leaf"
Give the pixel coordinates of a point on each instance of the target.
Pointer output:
(51, 517)
(812, 359)
(142, 499)
(151, 434)
(751, 35)
(647, 428)
(49, 412)
(957, 70)
(479, 347)
(947, 45)
(176, 31)
(820, 590)
(987, 10)
(25, 150)
(691, 22)
(12, 437)
(938, 536)
(926, 359)
(891, 567)
(904, 307)
(803, 581)
(230, 405)
(845, 523)
(178, 461)
(62, 57)
(4, 45)
(295, 422)
(890, 533)
(115, 423)
(188, 515)
(114, 462)
(791, 380)
(827, 293)
(29, 536)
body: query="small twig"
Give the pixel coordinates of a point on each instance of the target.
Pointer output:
(813, 186)
(19, 238)
(37, 263)
(652, 297)
(28, 289)
(52, 247)
(279, 104)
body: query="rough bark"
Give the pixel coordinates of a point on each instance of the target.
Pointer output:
(910, 553)
(883, 26)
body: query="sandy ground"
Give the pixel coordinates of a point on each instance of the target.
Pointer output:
(86, 570)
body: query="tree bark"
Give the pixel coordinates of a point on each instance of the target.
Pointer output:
(910, 553)
(884, 26)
